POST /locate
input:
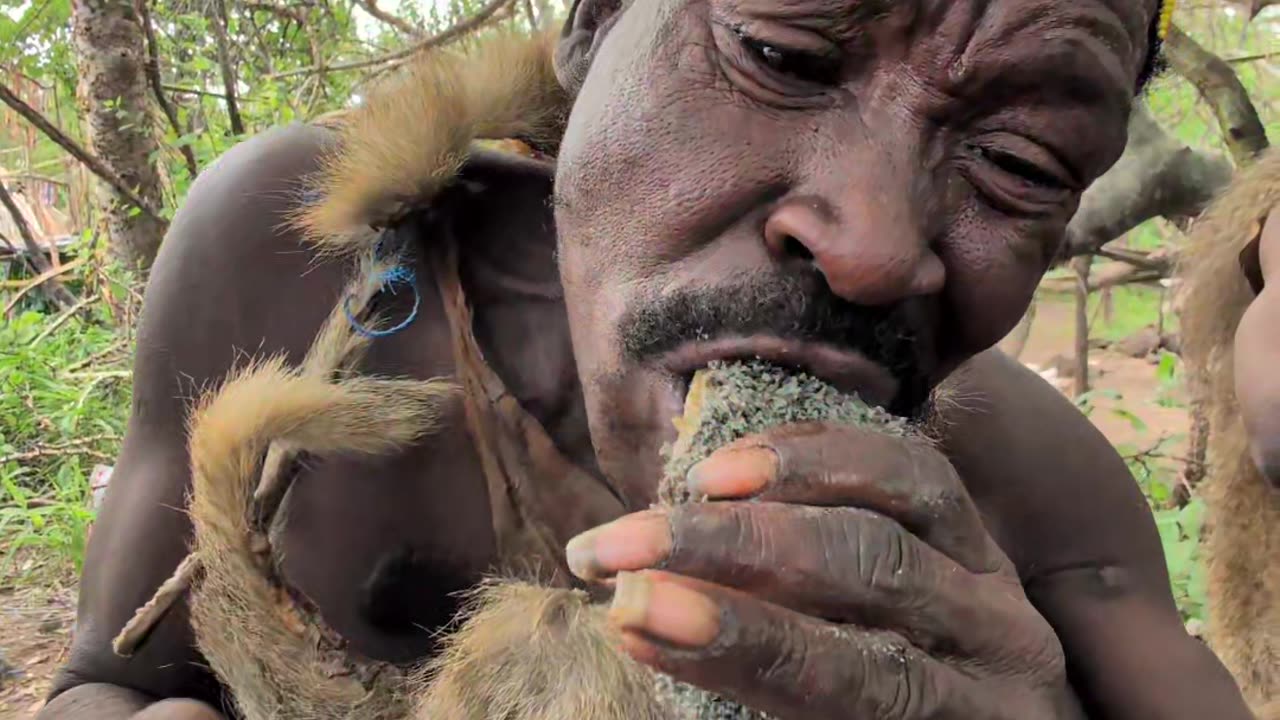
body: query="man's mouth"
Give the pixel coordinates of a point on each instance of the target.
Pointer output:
(845, 370)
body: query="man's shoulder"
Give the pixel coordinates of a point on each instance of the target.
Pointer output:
(1054, 490)
(995, 410)
(245, 198)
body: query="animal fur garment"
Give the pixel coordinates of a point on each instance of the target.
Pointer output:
(1243, 539)
(412, 136)
(526, 652)
(277, 659)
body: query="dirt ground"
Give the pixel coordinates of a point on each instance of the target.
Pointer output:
(35, 630)
(35, 623)
(1120, 382)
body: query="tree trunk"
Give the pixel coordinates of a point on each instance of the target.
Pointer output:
(1082, 267)
(111, 52)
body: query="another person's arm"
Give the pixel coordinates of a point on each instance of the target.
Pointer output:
(1063, 504)
(219, 289)
(1257, 355)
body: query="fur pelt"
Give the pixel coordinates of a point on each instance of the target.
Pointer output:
(269, 647)
(266, 642)
(413, 134)
(528, 652)
(1270, 711)
(1244, 512)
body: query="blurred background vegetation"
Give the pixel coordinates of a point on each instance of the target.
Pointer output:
(144, 94)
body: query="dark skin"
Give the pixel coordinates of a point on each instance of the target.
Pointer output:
(1256, 355)
(1014, 571)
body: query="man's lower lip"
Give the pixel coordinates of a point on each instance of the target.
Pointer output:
(848, 372)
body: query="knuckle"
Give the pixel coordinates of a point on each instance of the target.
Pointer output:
(1045, 652)
(940, 489)
(792, 663)
(896, 682)
(889, 560)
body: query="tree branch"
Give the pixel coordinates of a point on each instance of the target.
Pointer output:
(56, 291)
(458, 30)
(1218, 84)
(152, 67)
(1157, 176)
(220, 23)
(33, 116)
(371, 7)
(1254, 6)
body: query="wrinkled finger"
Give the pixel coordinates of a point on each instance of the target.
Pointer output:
(843, 466)
(841, 564)
(775, 660)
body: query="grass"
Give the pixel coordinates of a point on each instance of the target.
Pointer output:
(64, 398)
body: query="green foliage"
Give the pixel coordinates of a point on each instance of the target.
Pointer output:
(60, 413)
(1180, 532)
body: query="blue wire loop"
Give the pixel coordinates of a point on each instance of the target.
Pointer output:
(388, 280)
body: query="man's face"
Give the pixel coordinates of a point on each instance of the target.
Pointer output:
(866, 189)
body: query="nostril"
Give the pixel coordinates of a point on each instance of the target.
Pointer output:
(796, 249)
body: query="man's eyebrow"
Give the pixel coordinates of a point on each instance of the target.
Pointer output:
(1066, 70)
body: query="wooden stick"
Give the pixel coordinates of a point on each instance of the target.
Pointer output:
(26, 286)
(62, 319)
(149, 615)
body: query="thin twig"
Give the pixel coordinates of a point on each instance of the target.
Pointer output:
(95, 165)
(371, 7)
(26, 286)
(70, 447)
(115, 347)
(99, 374)
(62, 319)
(224, 66)
(152, 67)
(453, 33)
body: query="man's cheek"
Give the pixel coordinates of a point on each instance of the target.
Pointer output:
(986, 303)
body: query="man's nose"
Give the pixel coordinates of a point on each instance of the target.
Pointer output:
(869, 254)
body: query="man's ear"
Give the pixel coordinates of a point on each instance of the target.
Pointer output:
(589, 21)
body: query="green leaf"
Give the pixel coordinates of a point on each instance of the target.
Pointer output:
(1134, 421)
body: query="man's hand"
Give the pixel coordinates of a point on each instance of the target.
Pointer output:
(841, 573)
(179, 710)
(102, 701)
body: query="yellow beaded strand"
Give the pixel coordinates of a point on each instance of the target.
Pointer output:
(1166, 18)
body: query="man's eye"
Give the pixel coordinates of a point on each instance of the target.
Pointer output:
(1021, 167)
(798, 64)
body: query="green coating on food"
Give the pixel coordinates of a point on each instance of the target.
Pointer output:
(726, 402)
(745, 398)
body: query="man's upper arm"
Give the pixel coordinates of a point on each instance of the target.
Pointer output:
(220, 289)
(1061, 502)
(1257, 350)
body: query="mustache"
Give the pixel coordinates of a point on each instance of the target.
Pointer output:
(798, 307)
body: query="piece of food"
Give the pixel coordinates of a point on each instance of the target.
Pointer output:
(728, 401)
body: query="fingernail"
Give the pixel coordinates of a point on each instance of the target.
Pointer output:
(665, 611)
(733, 472)
(634, 542)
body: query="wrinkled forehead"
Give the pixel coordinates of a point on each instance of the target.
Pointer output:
(1123, 28)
